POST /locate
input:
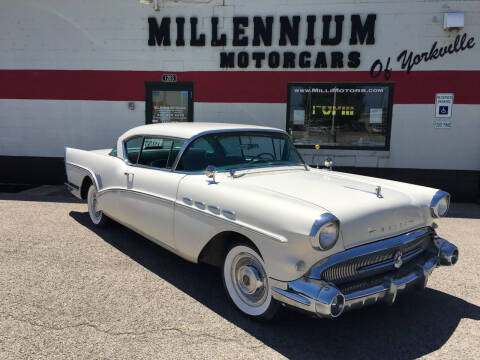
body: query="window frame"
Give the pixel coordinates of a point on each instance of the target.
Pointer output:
(388, 123)
(190, 141)
(151, 86)
(125, 159)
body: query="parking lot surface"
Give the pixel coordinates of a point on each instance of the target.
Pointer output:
(70, 291)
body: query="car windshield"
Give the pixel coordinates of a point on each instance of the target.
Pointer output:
(239, 150)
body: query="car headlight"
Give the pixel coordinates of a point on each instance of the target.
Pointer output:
(440, 203)
(324, 232)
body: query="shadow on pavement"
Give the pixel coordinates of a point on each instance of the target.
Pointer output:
(464, 210)
(416, 325)
(44, 193)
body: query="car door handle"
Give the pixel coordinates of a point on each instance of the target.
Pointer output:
(128, 173)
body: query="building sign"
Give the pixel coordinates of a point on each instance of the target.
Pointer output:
(408, 59)
(443, 105)
(442, 124)
(169, 78)
(325, 30)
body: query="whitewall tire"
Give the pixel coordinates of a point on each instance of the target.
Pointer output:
(97, 216)
(246, 282)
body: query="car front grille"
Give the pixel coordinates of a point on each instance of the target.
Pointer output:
(375, 263)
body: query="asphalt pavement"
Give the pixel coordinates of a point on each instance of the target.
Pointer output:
(71, 291)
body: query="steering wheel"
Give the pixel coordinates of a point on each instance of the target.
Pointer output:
(261, 157)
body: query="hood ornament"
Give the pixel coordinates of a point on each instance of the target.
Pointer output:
(378, 192)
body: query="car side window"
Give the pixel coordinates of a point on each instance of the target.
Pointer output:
(113, 152)
(132, 149)
(159, 152)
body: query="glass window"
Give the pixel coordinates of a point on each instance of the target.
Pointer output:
(132, 149)
(159, 152)
(170, 106)
(353, 115)
(239, 150)
(113, 152)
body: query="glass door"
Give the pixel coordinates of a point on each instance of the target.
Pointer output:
(167, 102)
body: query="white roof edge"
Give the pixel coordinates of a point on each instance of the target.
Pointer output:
(187, 130)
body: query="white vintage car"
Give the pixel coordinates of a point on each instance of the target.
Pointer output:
(242, 198)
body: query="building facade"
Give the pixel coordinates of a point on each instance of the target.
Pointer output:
(385, 88)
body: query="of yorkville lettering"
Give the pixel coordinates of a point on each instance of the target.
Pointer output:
(323, 31)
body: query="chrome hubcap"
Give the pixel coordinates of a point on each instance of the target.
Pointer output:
(249, 279)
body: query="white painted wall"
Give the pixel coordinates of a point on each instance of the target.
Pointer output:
(415, 143)
(113, 34)
(45, 127)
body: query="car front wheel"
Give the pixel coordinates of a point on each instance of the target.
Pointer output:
(246, 282)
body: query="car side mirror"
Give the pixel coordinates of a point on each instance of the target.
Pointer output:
(211, 171)
(329, 163)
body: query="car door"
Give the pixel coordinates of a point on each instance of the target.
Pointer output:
(151, 189)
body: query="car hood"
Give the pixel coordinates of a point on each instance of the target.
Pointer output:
(364, 216)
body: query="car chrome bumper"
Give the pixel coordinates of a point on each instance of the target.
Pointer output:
(326, 300)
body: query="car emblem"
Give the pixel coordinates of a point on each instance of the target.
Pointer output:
(398, 261)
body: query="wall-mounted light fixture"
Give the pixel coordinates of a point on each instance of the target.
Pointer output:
(453, 20)
(148, 2)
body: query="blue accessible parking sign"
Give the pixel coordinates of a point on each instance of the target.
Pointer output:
(443, 110)
(443, 105)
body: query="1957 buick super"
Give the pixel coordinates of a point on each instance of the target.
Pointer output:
(242, 198)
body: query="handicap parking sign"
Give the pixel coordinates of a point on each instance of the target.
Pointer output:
(443, 105)
(443, 110)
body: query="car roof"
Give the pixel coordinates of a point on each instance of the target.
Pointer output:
(187, 130)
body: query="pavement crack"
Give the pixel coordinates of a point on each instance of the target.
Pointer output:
(128, 333)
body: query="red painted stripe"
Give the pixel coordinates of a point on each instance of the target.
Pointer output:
(418, 87)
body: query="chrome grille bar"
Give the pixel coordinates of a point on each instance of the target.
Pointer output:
(372, 259)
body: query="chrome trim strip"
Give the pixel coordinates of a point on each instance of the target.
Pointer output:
(144, 193)
(316, 271)
(275, 237)
(435, 200)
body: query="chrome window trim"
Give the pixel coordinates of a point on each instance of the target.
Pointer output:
(124, 150)
(316, 270)
(440, 194)
(202, 172)
(226, 131)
